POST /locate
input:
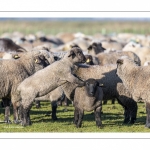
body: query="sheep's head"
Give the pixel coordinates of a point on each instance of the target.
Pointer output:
(96, 47)
(91, 86)
(77, 55)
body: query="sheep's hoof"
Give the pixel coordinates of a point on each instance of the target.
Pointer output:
(16, 121)
(147, 125)
(78, 125)
(126, 121)
(131, 122)
(54, 118)
(65, 110)
(7, 121)
(37, 106)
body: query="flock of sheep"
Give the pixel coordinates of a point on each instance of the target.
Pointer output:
(84, 69)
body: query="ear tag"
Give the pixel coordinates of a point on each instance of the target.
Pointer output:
(16, 56)
(88, 60)
(36, 61)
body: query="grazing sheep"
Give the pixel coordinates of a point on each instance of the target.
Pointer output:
(107, 76)
(136, 80)
(54, 75)
(7, 45)
(88, 98)
(13, 72)
(111, 58)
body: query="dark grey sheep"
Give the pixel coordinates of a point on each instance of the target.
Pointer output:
(88, 98)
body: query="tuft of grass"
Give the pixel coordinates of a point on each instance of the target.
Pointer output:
(112, 119)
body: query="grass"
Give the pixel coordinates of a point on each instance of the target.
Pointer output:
(86, 27)
(112, 121)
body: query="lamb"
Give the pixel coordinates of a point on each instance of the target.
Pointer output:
(132, 77)
(7, 45)
(13, 72)
(88, 98)
(54, 75)
(107, 76)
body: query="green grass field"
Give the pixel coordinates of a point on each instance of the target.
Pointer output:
(112, 119)
(86, 27)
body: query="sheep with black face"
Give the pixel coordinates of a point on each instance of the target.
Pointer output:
(88, 98)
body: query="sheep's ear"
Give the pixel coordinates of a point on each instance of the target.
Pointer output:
(119, 61)
(72, 54)
(90, 47)
(16, 56)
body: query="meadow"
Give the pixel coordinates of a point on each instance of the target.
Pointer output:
(112, 119)
(86, 27)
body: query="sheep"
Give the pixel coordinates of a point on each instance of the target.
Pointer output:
(111, 58)
(107, 76)
(7, 45)
(88, 98)
(101, 57)
(14, 72)
(136, 80)
(142, 52)
(95, 48)
(54, 75)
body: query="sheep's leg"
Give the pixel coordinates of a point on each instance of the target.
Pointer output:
(54, 110)
(105, 102)
(97, 113)
(133, 112)
(148, 115)
(126, 111)
(113, 101)
(6, 104)
(81, 114)
(26, 117)
(15, 113)
(126, 115)
(76, 115)
(37, 103)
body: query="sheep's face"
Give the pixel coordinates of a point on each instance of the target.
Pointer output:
(89, 60)
(96, 47)
(77, 55)
(90, 87)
